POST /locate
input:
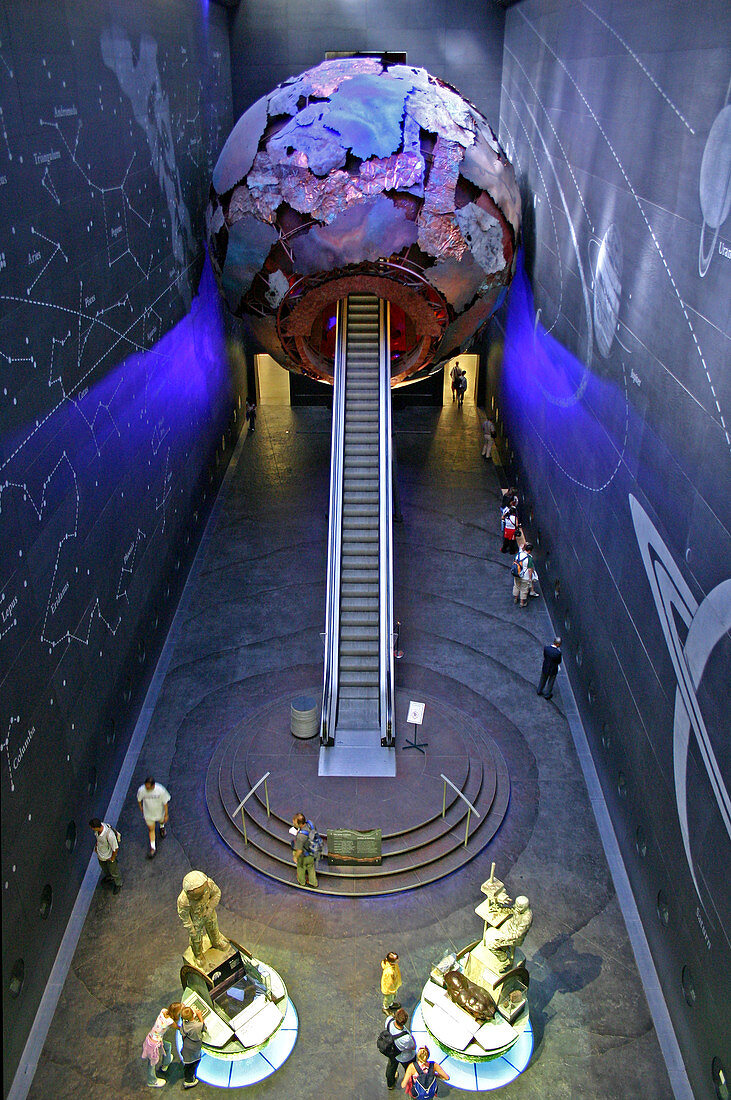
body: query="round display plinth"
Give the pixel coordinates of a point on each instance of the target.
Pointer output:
(493, 1071)
(231, 1069)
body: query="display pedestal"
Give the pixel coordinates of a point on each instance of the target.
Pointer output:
(474, 1052)
(479, 1076)
(252, 1028)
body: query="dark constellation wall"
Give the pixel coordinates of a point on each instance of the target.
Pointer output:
(459, 41)
(616, 393)
(115, 393)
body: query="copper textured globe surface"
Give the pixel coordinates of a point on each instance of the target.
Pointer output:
(363, 176)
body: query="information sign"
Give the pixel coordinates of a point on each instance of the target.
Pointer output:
(349, 846)
(416, 713)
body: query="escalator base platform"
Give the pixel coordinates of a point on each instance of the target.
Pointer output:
(352, 755)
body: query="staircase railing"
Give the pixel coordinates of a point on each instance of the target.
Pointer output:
(246, 798)
(334, 539)
(470, 808)
(385, 547)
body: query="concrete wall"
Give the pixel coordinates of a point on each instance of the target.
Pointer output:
(615, 393)
(457, 40)
(116, 414)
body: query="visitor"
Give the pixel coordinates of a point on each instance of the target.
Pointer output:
(404, 1044)
(155, 1049)
(421, 1079)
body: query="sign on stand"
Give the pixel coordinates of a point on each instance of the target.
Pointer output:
(416, 713)
(416, 717)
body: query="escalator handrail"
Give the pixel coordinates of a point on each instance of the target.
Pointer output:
(386, 676)
(334, 535)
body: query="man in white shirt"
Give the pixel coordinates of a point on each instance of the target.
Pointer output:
(106, 849)
(154, 801)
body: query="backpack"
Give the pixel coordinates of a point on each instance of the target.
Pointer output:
(517, 567)
(115, 831)
(424, 1084)
(314, 843)
(386, 1042)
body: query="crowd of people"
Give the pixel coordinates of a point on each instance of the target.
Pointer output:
(421, 1075)
(524, 575)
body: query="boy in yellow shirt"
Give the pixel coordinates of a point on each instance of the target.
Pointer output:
(390, 982)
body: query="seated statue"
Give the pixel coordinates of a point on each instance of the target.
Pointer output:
(469, 996)
(503, 941)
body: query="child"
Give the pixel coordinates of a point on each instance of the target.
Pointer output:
(155, 1049)
(390, 982)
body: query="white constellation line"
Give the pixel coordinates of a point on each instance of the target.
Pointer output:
(121, 336)
(56, 249)
(636, 59)
(650, 230)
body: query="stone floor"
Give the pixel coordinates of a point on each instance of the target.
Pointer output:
(251, 633)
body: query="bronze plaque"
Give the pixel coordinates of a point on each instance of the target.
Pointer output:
(350, 846)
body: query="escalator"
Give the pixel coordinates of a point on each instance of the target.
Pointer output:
(357, 730)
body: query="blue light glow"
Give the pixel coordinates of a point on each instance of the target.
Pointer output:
(248, 1069)
(476, 1076)
(580, 418)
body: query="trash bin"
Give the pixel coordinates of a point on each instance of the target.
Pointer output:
(304, 722)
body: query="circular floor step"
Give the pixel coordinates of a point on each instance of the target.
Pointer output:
(419, 844)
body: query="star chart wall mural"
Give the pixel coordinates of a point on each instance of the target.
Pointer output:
(616, 389)
(114, 393)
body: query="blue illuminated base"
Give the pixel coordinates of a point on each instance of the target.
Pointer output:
(246, 1068)
(478, 1076)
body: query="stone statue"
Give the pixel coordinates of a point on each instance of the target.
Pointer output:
(503, 941)
(197, 910)
(469, 996)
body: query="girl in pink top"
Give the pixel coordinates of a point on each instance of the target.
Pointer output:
(156, 1049)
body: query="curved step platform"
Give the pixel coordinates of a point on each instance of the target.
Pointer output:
(419, 845)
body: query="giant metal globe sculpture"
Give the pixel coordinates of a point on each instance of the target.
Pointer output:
(365, 176)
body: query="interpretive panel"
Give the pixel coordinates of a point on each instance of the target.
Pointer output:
(347, 846)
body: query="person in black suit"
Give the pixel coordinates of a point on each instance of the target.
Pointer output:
(551, 663)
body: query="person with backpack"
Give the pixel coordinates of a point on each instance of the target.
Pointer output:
(421, 1079)
(107, 847)
(397, 1044)
(306, 849)
(522, 573)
